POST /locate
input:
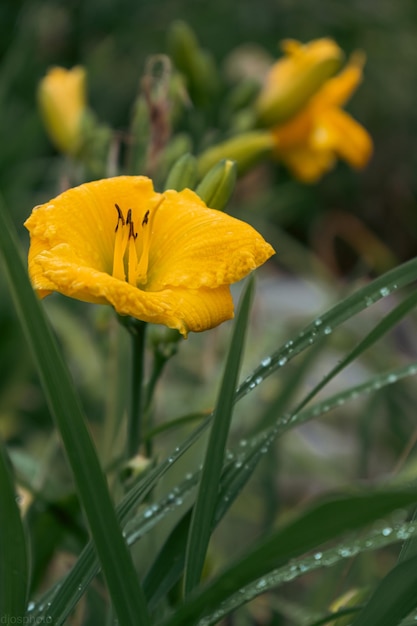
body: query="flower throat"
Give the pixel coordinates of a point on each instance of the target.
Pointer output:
(125, 245)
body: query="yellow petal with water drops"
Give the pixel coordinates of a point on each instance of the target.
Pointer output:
(338, 131)
(195, 246)
(162, 258)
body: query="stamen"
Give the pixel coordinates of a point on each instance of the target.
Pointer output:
(147, 223)
(132, 254)
(120, 244)
(120, 217)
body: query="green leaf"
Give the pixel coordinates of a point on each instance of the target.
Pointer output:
(394, 597)
(118, 568)
(13, 552)
(321, 523)
(204, 509)
(326, 323)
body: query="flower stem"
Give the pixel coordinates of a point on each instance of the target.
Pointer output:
(137, 332)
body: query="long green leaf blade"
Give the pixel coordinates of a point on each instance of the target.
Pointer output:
(321, 523)
(13, 551)
(393, 599)
(126, 594)
(204, 508)
(324, 325)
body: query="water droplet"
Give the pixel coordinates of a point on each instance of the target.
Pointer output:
(318, 556)
(252, 385)
(403, 534)
(369, 301)
(31, 606)
(387, 531)
(258, 380)
(243, 443)
(266, 361)
(147, 513)
(392, 378)
(261, 584)
(170, 459)
(318, 322)
(327, 330)
(290, 343)
(238, 464)
(264, 450)
(345, 552)
(385, 291)
(282, 361)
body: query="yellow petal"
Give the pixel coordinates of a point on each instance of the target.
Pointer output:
(198, 247)
(84, 219)
(338, 131)
(181, 308)
(308, 165)
(339, 89)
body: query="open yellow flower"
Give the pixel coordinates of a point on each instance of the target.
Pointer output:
(161, 258)
(62, 102)
(310, 142)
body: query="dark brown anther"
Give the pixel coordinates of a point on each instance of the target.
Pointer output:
(145, 218)
(131, 224)
(120, 217)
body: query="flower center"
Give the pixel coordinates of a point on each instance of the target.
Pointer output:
(125, 246)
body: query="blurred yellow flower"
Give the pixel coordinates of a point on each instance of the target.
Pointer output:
(162, 258)
(292, 80)
(310, 142)
(62, 102)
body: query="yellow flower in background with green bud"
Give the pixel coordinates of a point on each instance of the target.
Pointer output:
(164, 258)
(62, 102)
(292, 80)
(310, 142)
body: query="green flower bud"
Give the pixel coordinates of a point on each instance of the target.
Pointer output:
(247, 149)
(218, 185)
(183, 174)
(196, 64)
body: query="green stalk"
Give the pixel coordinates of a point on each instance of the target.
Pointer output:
(137, 330)
(126, 593)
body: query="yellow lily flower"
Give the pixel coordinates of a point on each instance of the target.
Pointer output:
(162, 258)
(310, 142)
(292, 80)
(62, 102)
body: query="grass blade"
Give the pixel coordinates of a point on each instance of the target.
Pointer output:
(126, 594)
(322, 523)
(325, 324)
(204, 508)
(394, 598)
(13, 552)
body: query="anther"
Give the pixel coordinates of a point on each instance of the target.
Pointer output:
(120, 217)
(145, 218)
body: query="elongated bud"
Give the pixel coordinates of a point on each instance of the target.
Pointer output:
(247, 149)
(292, 80)
(183, 174)
(218, 185)
(196, 64)
(62, 103)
